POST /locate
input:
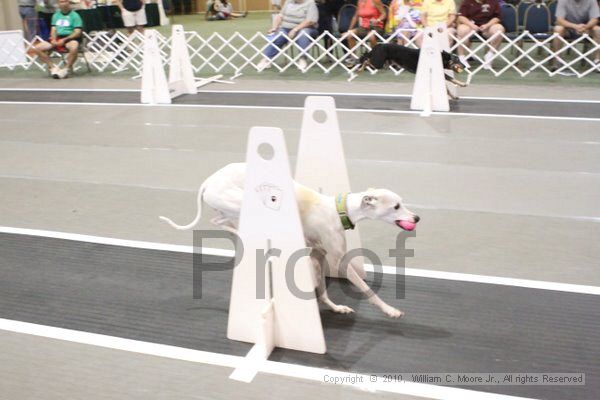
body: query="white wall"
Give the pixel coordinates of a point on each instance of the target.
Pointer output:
(9, 15)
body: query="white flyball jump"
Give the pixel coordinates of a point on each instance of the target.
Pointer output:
(429, 91)
(440, 33)
(321, 164)
(155, 87)
(264, 308)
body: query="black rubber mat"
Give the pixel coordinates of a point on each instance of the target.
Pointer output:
(449, 326)
(399, 103)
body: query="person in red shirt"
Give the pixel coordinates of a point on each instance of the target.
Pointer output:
(370, 16)
(483, 17)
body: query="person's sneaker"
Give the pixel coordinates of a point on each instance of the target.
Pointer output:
(265, 63)
(464, 61)
(350, 62)
(302, 64)
(489, 56)
(63, 73)
(54, 72)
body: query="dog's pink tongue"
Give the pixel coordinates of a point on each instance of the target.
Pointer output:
(406, 225)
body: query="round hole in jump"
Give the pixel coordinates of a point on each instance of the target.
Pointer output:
(266, 151)
(320, 116)
(440, 30)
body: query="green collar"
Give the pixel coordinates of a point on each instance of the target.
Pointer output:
(340, 205)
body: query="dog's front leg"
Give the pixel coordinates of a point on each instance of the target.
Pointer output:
(371, 296)
(455, 81)
(322, 288)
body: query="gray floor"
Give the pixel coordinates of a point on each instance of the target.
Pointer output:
(449, 326)
(497, 196)
(51, 369)
(467, 106)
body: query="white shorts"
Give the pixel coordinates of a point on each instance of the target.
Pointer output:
(136, 18)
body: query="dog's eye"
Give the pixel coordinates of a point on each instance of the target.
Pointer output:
(397, 206)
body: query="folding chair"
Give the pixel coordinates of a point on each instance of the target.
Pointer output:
(80, 54)
(521, 9)
(537, 21)
(552, 7)
(344, 19)
(345, 16)
(510, 20)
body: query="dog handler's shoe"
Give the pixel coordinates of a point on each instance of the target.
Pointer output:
(265, 63)
(54, 72)
(302, 64)
(63, 73)
(489, 56)
(464, 61)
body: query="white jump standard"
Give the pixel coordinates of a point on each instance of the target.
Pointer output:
(155, 88)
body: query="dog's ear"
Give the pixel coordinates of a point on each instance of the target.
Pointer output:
(368, 201)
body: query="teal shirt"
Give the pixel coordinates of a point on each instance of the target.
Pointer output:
(66, 24)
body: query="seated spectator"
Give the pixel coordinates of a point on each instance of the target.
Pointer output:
(370, 15)
(405, 19)
(479, 16)
(133, 13)
(296, 21)
(65, 36)
(574, 18)
(219, 10)
(436, 12)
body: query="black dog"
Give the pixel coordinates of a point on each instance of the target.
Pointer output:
(390, 53)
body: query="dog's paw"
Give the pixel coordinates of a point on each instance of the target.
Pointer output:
(342, 309)
(393, 312)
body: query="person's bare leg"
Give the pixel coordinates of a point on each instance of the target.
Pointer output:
(595, 34)
(72, 46)
(557, 43)
(463, 32)
(140, 29)
(451, 36)
(496, 29)
(419, 38)
(41, 51)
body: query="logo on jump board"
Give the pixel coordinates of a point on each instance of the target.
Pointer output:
(270, 195)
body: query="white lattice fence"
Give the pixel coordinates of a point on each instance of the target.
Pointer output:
(237, 54)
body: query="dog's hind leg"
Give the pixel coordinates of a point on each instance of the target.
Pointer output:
(223, 222)
(371, 296)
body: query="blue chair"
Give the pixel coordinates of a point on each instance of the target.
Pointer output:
(509, 20)
(552, 7)
(521, 8)
(537, 21)
(345, 16)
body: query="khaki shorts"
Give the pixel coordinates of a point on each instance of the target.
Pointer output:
(135, 18)
(362, 32)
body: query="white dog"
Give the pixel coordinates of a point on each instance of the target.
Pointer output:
(324, 219)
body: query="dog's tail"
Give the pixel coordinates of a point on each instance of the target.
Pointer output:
(196, 219)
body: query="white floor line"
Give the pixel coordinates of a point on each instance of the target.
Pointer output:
(417, 272)
(359, 110)
(223, 360)
(309, 93)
